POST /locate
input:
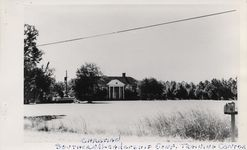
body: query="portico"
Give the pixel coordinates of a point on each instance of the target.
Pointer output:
(116, 89)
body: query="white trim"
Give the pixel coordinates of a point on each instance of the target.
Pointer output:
(115, 83)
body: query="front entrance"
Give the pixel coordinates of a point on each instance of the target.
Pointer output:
(115, 90)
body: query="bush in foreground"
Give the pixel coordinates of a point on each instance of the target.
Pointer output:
(197, 125)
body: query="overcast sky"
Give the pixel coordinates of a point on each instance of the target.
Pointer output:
(193, 50)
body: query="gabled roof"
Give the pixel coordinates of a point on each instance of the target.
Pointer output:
(126, 80)
(115, 82)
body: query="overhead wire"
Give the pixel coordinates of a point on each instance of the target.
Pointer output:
(136, 28)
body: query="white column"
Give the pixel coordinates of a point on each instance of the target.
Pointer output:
(119, 94)
(123, 93)
(109, 92)
(113, 96)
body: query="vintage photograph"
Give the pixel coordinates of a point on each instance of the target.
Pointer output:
(164, 72)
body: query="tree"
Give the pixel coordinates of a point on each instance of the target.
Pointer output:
(200, 92)
(44, 81)
(37, 81)
(233, 87)
(32, 56)
(181, 92)
(218, 89)
(191, 90)
(169, 89)
(59, 88)
(210, 90)
(151, 89)
(70, 85)
(86, 82)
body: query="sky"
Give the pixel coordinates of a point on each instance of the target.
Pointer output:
(191, 51)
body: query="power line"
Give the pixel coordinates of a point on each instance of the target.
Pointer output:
(137, 28)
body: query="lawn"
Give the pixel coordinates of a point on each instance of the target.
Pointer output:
(181, 120)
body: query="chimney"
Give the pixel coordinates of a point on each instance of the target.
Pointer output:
(124, 74)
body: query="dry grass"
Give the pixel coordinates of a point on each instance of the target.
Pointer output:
(198, 125)
(193, 124)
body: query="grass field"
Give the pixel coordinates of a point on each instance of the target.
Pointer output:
(168, 120)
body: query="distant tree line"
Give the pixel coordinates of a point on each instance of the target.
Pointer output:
(87, 86)
(215, 89)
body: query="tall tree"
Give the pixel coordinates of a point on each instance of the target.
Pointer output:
(37, 80)
(86, 82)
(32, 56)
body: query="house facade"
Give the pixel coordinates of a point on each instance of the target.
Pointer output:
(119, 87)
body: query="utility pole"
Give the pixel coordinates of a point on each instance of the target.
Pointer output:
(66, 85)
